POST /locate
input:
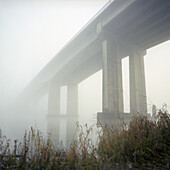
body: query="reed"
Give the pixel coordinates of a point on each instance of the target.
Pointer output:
(145, 143)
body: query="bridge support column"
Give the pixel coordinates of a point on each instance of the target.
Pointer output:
(112, 78)
(53, 119)
(72, 99)
(138, 102)
(72, 113)
(53, 100)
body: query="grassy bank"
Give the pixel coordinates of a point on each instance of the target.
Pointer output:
(145, 144)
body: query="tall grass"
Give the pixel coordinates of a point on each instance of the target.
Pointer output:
(145, 143)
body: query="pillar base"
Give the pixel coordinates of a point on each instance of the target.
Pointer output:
(71, 131)
(114, 120)
(53, 127)
(111, 119)
(63, 116)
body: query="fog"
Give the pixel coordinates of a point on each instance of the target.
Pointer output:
(31, 33)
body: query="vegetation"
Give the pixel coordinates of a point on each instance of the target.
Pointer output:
(145, 143)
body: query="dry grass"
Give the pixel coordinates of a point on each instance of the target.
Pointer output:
(145, 143)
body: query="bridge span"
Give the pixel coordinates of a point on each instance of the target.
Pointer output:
(122, 28)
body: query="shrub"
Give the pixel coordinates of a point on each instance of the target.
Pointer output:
(143, 143)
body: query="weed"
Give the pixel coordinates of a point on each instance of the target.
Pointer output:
(145, 143)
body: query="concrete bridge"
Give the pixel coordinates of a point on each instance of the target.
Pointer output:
(122, 28)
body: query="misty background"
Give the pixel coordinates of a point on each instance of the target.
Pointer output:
(31, 33)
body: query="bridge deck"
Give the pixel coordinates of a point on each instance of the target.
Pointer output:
(141, 23)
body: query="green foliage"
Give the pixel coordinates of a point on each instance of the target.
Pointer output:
(143, 143)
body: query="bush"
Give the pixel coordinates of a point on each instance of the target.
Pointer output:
(145, 143)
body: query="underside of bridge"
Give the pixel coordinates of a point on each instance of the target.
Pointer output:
(122, 28)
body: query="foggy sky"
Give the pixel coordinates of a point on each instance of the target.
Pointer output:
(31, 32)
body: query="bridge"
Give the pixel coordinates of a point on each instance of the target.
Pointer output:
(122, 28)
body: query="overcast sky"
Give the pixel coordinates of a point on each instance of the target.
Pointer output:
(32, 31)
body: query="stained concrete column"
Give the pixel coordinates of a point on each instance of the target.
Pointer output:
(53, 99)
(72, 99)
(72, 113)
(53, 117)
(137, 83)
(112, 78)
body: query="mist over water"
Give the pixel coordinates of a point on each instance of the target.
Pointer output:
(31, 33)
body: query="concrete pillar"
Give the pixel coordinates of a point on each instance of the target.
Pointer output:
(53, 100)
(112, 78)
(72, 113)
(72, 99)
(71, 133)
(53, 117)
(137, 83)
